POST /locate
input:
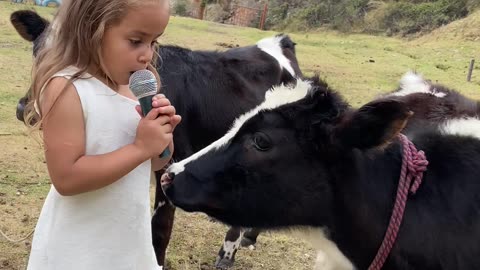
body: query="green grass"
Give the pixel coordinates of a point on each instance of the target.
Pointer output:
(358, 66)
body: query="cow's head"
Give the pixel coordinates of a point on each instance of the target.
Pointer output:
(276, 167)
(288, 49)
(32, 28)
(282, 48)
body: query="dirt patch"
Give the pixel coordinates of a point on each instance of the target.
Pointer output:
(226, 45)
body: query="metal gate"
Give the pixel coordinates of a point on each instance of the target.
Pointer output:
(248, 16)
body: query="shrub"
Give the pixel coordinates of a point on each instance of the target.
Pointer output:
(374, 16)
(180, 7)
(407, 18)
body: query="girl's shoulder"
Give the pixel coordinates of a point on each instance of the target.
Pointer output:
(67, 72)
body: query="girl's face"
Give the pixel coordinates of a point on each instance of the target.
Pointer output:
(128, 45)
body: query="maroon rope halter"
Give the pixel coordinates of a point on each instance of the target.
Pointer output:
(414, 164)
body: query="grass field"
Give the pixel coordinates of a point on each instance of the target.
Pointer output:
(358, 66)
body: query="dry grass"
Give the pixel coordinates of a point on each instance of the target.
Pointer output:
(360, 66)
(464, 29)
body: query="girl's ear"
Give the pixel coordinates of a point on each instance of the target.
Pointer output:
(373, 125)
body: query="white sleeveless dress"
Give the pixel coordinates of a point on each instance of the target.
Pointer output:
(106, 229)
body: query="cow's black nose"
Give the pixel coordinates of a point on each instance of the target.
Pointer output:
(167, 178)
(19, 112)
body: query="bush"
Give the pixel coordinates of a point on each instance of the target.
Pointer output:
(374, 16)
(407, 18)
(277, 15)
(216, 13)
(341, 15)
(180, 7)
(472, 5)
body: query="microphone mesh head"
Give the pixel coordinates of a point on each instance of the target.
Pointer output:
(143, 83)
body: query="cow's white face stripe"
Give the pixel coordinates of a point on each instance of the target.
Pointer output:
(273, 98)
(462, 126)
(272, 46)
(412, 83)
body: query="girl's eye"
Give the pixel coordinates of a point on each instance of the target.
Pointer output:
(261, 141)
(135, 42)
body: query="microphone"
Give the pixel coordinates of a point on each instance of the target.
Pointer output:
(143, 84)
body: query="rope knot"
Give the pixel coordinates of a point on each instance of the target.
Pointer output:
(414, 164)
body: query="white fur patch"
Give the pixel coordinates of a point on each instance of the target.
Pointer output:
(274, 98)
(412, 83)
(329, 257)
(272, 46)
(160, 204)
(229, 247)
(52, 32)
(462, 126)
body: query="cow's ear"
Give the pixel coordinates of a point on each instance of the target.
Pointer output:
(373, 125)
(28, 24)
(324, 103)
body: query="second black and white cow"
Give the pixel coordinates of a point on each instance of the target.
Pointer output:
(433, 104)
(306, 158)
(209, 90)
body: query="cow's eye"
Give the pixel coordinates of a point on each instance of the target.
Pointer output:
(261, 141)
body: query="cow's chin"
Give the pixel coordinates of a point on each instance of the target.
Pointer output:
(212, 207)
(191, 202)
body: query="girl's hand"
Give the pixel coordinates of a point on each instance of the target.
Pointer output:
(154, 133)
(164, 107)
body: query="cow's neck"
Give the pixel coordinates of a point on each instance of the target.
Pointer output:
(365, 194)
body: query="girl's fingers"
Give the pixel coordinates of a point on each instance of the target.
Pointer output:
(175, 120)
(162, 120)
(152, 115)
(167, 128)
(139, 110)
(158, 96)
(160, 102)
(167, 110)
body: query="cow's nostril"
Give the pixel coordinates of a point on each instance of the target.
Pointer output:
(19, 112)
(167, 178)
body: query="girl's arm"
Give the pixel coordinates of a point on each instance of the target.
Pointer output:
(71, 171)
(160, 163)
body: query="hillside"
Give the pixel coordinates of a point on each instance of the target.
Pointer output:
(467, 29)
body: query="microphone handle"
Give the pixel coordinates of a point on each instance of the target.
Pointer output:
(146, 105)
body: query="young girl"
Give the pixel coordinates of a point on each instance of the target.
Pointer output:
(99, 151)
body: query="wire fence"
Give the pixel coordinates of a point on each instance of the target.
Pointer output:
(239, 15)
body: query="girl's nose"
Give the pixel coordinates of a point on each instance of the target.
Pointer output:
(145, 59)
(147, 56)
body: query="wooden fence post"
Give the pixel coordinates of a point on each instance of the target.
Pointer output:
(263, 17)
(201, 10)
(470, 70)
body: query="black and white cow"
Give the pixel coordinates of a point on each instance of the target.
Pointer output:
(433, 104)
(209, 90)
(304, 157)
